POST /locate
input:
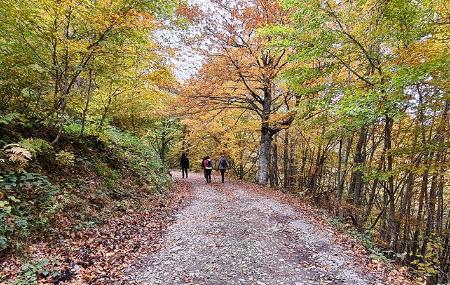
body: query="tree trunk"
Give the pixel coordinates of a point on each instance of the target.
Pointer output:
(286, 162)
(264, 155)
(265, 140)
(274, 182)
(431, 210)
(393, 227)
(301, 180)
(342, 177)
(292, 164)
(372, 195)
(105, 112)
(423, 190)
(241, 165)
(406, 211)
(356, 190)
(86, 106)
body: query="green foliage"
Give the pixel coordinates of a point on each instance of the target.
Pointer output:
(363, 237)
(30, 272)
(12, 118)
(35, 145)
(74, 129)
(140, 155)
(27, 204)
(65, 158)
(428, 265)
(110, 175)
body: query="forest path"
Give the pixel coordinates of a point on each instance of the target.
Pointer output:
(231, 235)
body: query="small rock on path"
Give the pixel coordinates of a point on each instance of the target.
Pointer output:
(227, 235)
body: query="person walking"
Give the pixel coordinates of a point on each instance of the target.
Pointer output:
(184, 163)
(208, 166)
(203, 166)
(223, 166)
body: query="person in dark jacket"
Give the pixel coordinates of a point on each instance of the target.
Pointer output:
(184, 163)
(223, 166)
(204, 169)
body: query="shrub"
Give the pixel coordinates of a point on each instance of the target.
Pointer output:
(30, 272)
(27, 204)
(110, 175)
(19, 156)
(34, 145)
(65, 158)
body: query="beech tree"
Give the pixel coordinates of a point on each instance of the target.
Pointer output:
(241, 69)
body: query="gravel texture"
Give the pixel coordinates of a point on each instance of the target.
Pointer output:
(229, 235)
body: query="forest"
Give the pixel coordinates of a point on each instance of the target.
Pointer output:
(342, 103)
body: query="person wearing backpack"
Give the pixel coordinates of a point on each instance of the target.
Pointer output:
(203, 167)
(184, 163)
(223, 166)
(207, 166)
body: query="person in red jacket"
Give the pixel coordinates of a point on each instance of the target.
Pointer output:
(207, 166)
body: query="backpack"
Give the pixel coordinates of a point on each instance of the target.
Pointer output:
(207, 163)
(223, 163)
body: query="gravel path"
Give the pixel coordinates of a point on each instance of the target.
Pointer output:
(227, 235)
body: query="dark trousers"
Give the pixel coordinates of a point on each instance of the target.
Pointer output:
(184, 170)
(222, 172)
(208, 175)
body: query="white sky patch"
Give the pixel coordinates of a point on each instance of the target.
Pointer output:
(186, 61)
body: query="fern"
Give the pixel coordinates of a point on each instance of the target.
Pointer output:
(18, 155)
(11, 118)
(35, 145)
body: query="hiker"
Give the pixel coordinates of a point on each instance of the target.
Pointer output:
(207, 166)
(184, 163)
(223, 166)
(203, 167)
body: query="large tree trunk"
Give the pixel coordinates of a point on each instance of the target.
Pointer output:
(342, 177)
(431, 210)
(274, 169)
(264, 155)
(406, 212)
(266, 139)
(445, 259)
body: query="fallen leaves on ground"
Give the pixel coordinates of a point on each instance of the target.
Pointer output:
(393, 274)
(102, 255)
